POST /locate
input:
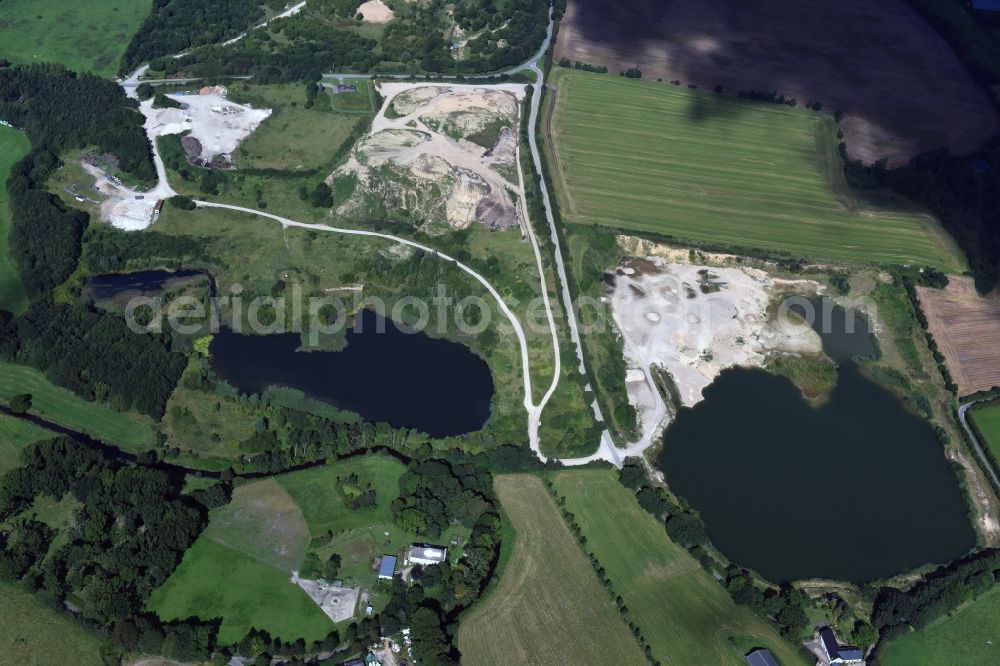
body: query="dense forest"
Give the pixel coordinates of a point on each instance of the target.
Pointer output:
(305, 50)
(177, 25)
(134, 527)
(95, 355)
(45, 235)
(61, 110)
(318, 40)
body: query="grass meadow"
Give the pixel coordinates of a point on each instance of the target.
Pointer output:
(295, 137)
(36, 635)
(15, 434)
(130, 432)
(987, 420)
(86, 35)
(215, 581)
(239, 568)
(549, 606)
(969, 636)
(687, 617)
(650, 157)
(13, 146)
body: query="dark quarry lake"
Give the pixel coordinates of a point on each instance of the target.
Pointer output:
(403, 378)
(855, 488)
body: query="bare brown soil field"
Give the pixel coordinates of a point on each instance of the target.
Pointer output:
(901, 88)
(966, 327)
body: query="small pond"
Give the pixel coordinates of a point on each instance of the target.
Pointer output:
(854, 489)
(384, 373)
(110, 285)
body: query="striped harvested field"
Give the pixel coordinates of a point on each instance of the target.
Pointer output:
(696, 166)
(961, 321)
(549, 607)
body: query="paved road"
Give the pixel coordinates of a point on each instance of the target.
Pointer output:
(962, 411)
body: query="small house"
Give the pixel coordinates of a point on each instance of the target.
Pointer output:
(387, 569)
(761, 657)
(836, 653)
(426, 555)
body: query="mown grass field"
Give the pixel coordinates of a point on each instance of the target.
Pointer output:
(13, 146)
(215, 581)
(549, 607)
(37, 635)
(687, 617)
(656, 158)
(132, 433)
(264, 522)
(971, 637)
(16, 434)
(86, 35)
(987, 420)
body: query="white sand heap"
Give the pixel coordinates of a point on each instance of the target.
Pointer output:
(375, 11)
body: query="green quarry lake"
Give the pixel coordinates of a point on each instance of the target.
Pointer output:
(854, 489)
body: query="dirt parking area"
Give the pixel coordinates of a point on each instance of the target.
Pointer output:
(901, 88)
(966, 328)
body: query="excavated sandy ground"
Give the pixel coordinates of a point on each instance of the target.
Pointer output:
(218, 124)
(695, 321)
(420, 160)
(375, 11)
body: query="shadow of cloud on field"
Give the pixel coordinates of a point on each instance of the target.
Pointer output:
(879, 63)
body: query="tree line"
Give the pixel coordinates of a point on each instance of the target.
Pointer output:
(784, 606)
(962, 191)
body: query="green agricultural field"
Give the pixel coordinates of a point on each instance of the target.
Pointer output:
(16, 434)
(215, 581)
(987, 420)
(549, 607)
(35, 634)
(687, 617)
(693, 165)
(970, 636)
(13, 146)
(86, 35)
(130, 432)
